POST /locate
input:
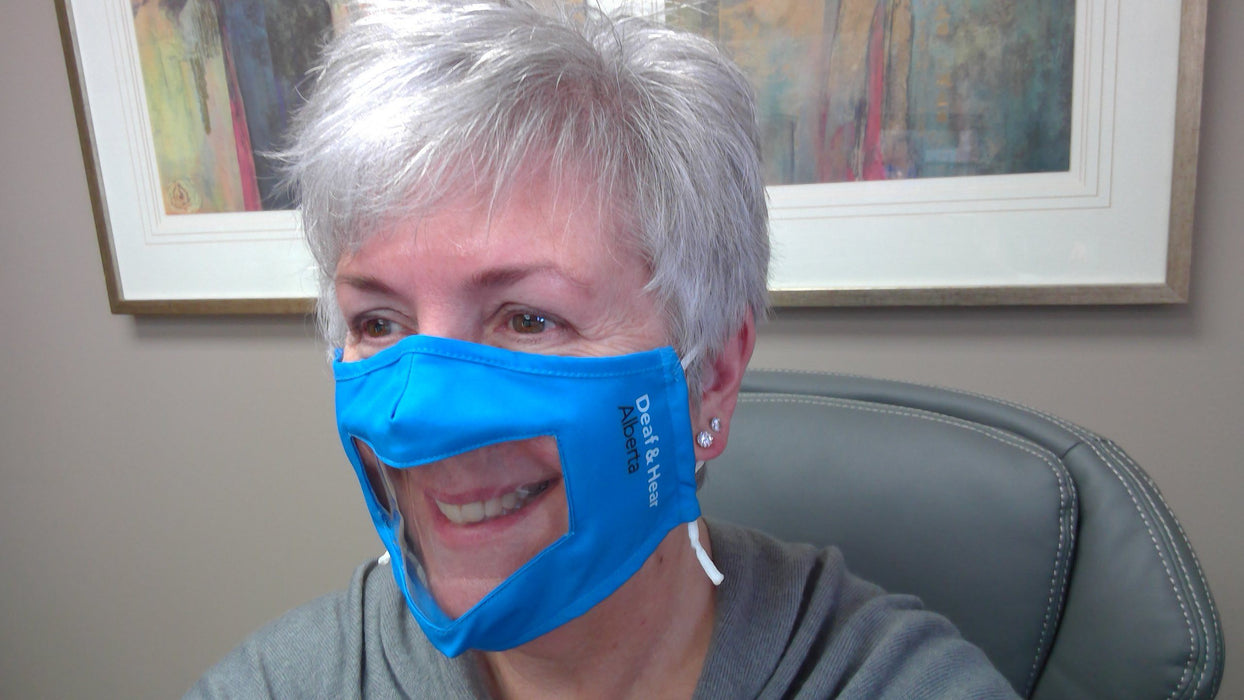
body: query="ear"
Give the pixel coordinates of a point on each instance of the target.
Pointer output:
(719, 388)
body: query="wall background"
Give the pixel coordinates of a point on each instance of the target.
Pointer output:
(167, 484)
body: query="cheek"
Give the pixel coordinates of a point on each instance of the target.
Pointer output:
(350, 350)
(541, 450)
(408, 489)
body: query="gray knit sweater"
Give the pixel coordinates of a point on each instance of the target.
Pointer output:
(791, 623)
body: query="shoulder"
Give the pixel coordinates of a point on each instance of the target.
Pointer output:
(310, 651)
(358, 642)
(793, 622)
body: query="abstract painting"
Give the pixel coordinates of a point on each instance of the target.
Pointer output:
(923, 152)
(221, 78)
(887, 89)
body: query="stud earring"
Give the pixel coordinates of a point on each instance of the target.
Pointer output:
(715, 424)
(704, 439)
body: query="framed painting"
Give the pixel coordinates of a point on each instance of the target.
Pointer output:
(940, 152)
(918, 152)
(180, 103)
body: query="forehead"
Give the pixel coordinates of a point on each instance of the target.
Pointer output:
(535, 222)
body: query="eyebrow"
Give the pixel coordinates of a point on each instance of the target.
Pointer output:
(488, 279)
(507, 276)
(366, 283)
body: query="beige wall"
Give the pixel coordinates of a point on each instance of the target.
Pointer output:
(168, 484)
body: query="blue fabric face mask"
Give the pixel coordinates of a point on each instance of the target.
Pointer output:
(623, 434)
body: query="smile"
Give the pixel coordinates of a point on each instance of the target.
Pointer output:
(479, 511)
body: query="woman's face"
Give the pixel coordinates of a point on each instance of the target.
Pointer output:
(541, 273)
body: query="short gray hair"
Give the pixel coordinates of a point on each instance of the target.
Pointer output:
(414, 100)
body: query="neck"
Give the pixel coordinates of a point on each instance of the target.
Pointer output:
(649, 639)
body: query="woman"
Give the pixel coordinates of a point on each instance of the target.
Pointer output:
(543, 243)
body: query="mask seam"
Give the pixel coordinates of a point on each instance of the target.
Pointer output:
(475, 446)
(410, 370)
(351, 370)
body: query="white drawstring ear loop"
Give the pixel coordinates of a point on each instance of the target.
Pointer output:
(693, 531)
(693, 527)
(714, 575)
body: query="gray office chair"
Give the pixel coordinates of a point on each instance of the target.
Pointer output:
(1046, 545)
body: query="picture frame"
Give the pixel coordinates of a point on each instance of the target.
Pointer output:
(156, 262)
(1114, 228)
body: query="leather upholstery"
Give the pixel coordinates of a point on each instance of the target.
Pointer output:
(1043, 542)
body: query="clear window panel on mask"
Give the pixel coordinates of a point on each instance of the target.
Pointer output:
(471, 520)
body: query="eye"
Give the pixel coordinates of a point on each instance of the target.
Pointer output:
(375, 327)
(528, 323)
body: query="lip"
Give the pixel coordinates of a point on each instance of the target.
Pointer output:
(463, 496)
(488, 531)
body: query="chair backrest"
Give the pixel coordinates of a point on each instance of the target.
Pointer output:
(1045, 543)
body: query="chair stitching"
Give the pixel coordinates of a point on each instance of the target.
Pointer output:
(1196, 564)
(1054, 597)
(1191, 662)
(1089, 438)
(1178, 527)
(1067, 523)
(1192, 658)
(1170, 576)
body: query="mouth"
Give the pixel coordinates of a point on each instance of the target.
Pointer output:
(496, 507)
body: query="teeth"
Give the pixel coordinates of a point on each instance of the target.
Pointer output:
(470, 513)
(492, 508)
